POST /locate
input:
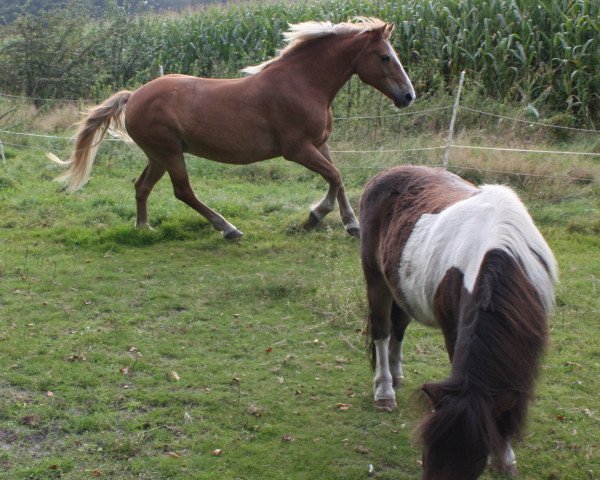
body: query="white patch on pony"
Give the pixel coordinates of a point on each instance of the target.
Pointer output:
(461, 235)
(382, 383)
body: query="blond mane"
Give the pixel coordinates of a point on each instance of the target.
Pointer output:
(299, 33)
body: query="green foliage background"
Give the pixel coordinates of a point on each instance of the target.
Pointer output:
(542, 53)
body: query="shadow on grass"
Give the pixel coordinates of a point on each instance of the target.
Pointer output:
(125, 235)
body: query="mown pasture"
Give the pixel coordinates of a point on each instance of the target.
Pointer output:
(171, 353)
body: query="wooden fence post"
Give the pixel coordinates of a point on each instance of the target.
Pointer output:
(453, 120)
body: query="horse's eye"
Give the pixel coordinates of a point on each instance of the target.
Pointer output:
(385, 58)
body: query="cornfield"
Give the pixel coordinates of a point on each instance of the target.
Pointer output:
(543, 53)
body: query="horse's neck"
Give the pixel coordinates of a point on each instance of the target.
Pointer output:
(326, 64)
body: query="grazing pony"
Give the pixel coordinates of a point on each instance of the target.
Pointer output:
(470, 261)
(283, 108)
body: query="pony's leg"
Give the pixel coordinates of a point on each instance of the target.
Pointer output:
(183, 191)
(346, 212)
(143, 186)
(399, 320)
(310, 157)
(380, 304)
(506, 463)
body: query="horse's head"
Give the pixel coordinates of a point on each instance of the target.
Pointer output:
(378, 65)
(461, 433)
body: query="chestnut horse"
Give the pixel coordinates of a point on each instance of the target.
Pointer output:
(470, 261)
(282, 109)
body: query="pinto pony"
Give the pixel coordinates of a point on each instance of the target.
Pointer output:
(283, 108)
(470, 261)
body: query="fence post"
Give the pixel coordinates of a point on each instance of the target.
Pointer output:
(2, 152)
(454, 112)
(161, 71)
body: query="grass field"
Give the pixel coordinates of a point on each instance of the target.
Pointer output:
(171, 353)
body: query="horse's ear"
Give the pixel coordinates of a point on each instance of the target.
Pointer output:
(505, 401)
(389, 28)
(380, 32)
(434, 393)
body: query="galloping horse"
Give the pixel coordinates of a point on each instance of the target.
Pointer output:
(469, 261)
(282, 109)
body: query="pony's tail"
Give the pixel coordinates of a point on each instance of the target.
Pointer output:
(108, 116)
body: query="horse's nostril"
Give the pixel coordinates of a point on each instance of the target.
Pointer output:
(408, 97)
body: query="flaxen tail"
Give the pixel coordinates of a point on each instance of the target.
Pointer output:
(108, 116)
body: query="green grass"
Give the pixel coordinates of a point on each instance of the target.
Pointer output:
(264, 334)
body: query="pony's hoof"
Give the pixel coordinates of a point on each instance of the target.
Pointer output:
(386, 405)
(354, 231)
(233, 234)
(312, 221)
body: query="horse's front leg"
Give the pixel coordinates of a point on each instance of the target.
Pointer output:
(505, 463)
(399, 321)
(312, 158)
(380, 304)
(346, 212)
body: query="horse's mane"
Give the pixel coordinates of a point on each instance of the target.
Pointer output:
(503, 334)
(299, 33)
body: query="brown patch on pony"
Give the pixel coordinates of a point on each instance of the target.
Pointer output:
(391, 205)
(502, 335)
(449, 301)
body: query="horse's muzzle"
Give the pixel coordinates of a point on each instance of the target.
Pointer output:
(404, 99)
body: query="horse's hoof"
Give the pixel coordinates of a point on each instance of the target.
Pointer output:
(312, 221)
(232, 234)
(386, 405)
(397, 382)
(354, 231)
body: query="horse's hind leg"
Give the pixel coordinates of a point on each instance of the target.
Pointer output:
(399, 320)
(143, 186)
(183, 191)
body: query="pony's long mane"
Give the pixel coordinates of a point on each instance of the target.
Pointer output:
(300, 33)
(502, 336)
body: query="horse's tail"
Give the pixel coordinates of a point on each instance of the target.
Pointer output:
(108, 116)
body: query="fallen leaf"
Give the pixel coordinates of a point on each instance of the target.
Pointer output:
(343, 406)
(124, 370)
(54, 467)
(255, 410)
(362, 449)
(217, 452)
(187, 417)
(560, 418)
(76, 358)
(269, 349)
(133, 349)
(174, 454)
(173, 375)
(49, 394)
(31, 420)
(287, 437)
(96, 472)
